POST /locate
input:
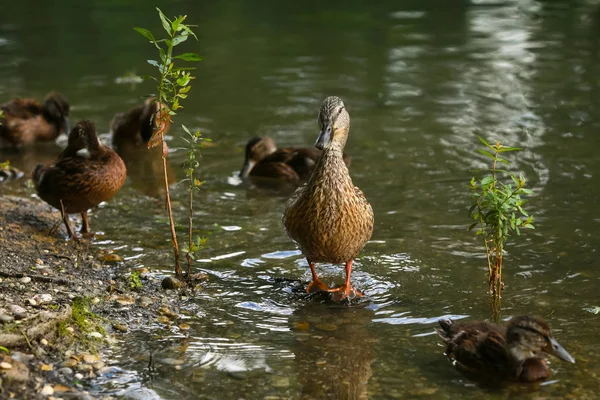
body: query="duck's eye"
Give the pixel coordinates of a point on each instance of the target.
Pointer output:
(340, 110)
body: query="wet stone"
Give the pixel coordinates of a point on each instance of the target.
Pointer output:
(65, 371)
(47, 391)
(5, 318)
(120, 327)
(25, 279)
(171, 282)
(145, 301)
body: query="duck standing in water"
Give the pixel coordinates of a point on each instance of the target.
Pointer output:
(26, 121)
(328, 217)
(291, 164)
(76, 183)
(515, 352)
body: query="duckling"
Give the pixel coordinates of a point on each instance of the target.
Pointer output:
(292, 164)
(512, 352)
(76, 183)
(26, 121)
(328, 217)
(136, 127)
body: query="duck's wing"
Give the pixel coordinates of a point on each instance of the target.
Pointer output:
(276, 170)
(22, 108)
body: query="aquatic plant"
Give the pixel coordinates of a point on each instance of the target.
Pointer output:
(498, 210)
(195, 142)
(172, 85)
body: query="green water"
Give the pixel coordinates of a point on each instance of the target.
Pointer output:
(420, 79)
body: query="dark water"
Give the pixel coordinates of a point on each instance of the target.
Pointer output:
(420, 80)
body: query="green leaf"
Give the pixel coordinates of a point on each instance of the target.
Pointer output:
(487, 180)
(153, 63)
(503, 161)
(473, 225)
(145, 33)
(188, 30)
(482, 140)
(189, 57)
(179, 39)
(166, 23)
(486, 153)
(506, 148)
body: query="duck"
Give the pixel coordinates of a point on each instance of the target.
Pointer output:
(137, 127)
(292, 164)
(513, 352)
(328, 217)
(75, 183)
(26, 121)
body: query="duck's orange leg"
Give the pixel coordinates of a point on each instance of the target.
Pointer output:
(316, 285)
(85, 226)
(65, 217)
(346, 289)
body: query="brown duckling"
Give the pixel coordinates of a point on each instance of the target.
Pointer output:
(136, 127)
(513, 352)
(328, 217)
(26, 121)
(291, 164)
(76, 183)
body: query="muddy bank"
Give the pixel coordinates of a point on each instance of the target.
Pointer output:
(63, 305)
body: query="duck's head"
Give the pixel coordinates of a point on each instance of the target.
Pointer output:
(334, 123)
(83, 136)
(257, 149)
(527, 336)
(56, 108)
(155, 118)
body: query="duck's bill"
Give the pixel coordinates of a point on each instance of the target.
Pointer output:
(65, 125)
(324, 138)
(560, 352)
(246, 169)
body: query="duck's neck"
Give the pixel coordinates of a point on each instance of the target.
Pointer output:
(331, 171)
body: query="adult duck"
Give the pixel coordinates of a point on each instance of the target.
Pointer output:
(516, 351)
(76, 183)
(292, 164)
(26, 121)
(136, 127)
(328, 217)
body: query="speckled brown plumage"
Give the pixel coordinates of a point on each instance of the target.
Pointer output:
(136, 127)
(516, 351)
(328, 217)
(292, 164)
(77, 183)
(26, 121)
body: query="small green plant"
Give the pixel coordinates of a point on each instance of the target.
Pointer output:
(1, 117)
(134, 281)
(195, 142)
(498, 210)
(172, 84)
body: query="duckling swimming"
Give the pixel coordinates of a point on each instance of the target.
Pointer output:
(26, 121)
(291, 164)
(516, 351)
(328, 217)
(76, 183)
(138, 125)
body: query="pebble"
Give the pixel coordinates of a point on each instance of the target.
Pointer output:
(145, 301)
(66, 371)
(44, 342)
(18, 311)
(327, 327)
(78, 376)
(120, 327)
(40, 299)
(25, 279)
(47, 391)
(280, 381)
(125, 300)
(90, 358)
(71, 362)
(6, 318)
(83, 368)
(95, 335)
(171, 282)
(5, 365)
(98, 365)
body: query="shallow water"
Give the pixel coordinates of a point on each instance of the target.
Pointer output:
(420, 80)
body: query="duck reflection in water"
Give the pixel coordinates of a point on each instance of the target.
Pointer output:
(333, 351)
(131, 133)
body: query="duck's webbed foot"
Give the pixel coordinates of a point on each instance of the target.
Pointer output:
(316, 285)
(344, 292)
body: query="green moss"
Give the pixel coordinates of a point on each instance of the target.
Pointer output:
(134, 281)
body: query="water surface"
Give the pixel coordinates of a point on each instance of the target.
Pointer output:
(420, 80)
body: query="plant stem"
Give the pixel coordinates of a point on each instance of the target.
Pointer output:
(191, 221)
(165, 152)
